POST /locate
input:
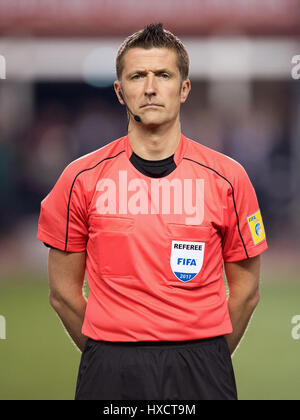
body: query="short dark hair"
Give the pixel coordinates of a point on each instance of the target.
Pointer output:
(154, 36)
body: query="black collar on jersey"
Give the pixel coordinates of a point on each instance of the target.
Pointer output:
(153, 168)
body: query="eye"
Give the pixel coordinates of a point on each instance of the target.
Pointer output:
(136, 77)
(164, 75)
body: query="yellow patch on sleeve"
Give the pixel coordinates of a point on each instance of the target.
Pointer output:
(256, 227)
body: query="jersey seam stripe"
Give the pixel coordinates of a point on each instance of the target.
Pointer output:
(70, 194)
(233, 198)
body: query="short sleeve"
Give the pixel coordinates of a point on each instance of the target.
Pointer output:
(244, 234)
(63, 222)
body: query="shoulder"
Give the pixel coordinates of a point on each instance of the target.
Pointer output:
(91, 160)
(215, 162)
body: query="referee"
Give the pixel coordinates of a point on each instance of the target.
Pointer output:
(151, 218)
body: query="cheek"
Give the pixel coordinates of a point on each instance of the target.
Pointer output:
(174, 96)
(175, 100)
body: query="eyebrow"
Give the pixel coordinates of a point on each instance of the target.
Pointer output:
(144, 72)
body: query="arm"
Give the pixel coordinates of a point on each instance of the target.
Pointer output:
(66, 276)
(243, 283)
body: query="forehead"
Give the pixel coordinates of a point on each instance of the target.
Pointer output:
(150, 59)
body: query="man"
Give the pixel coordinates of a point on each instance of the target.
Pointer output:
(150, 218)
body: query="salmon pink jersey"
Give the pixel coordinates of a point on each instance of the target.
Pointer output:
(154, 246)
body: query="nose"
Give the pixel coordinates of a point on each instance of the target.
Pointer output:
(150, 88)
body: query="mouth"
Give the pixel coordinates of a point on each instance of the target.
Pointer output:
(151, 106)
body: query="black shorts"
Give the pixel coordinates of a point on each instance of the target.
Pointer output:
(177, 370)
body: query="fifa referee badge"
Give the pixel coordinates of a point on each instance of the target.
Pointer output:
(256, 227)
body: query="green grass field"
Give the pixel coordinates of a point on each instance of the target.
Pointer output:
(38, 360)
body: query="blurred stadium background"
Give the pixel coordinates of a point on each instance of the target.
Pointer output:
(57, 103)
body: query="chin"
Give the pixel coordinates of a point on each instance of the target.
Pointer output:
(153, 122)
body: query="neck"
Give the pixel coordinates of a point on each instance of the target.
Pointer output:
(154, 143)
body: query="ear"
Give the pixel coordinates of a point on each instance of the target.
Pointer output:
(185, 90)
(118, 90)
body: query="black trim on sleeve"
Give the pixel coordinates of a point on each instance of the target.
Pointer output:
(69, 201)
(234, 204)
(48, 246)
